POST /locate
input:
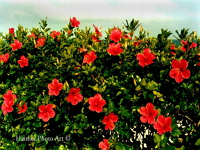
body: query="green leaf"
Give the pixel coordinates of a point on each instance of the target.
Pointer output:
(157, 94)
(138, 88)
(28, 118)
(161, 99)
(151, 96)
(33, 103)
(145, 94)
(119, 93)
(67, 128)
(37, 124)
(157, 138)
(198, 142)
(169, 147)
(119, 146)
(61, 147)
(47, 29)
(163, 60)
(143, 82)
(151, 85)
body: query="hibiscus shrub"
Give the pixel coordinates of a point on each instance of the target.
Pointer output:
(75, 89)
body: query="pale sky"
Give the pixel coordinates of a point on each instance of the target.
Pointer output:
(153, 14)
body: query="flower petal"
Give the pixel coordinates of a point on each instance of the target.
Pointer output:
(143, 119)
(140, 56)
(42, 108)
(178, 77)
(173, 73)
(185, 74)
(183, 64)
(143, 111)
(175, 64)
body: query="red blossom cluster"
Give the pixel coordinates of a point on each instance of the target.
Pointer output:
(9, 100)
(89, 57)
(4, 58)
(82, 49)
(22, 107)
(46, 112)
(11, 30)
(126, 36)
(149, 114)
(116, 35)
(16, 45)
(137, 43)
(172, 48)
(23, 61)
(186, 46)
(54, 34)
(55, 87)
(74, 22)
(145, 58)
(96, 35)
(104, 145)
(179, 71)
(114, 49)
(74, 96)
(32, 35)
(40, 42)
(96, 103)
(109, 121)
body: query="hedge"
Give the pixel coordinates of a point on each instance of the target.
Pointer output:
(75, 89)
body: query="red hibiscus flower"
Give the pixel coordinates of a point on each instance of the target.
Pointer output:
(40, 42)
(23, 61)
(173, 53)
(104, 145)
(74, 22)
(55, 87)
(82, 49)
(163, 124)
(54, 34)
(9, 96)
(46, 112)
(137, 43)
(179, 71)
(148, 113)
(114, 49)
(32, 35)
(90, 57)
(95, 38)
(7, 106)
(145, 58)
(22, 108)
(184, 42)
(109, 121)
(126, 36)
(74, 96)
(97, 32)
(69, 32)
(116, 35)
(173, 47)
(4, 58)
(96, 103)
(198, 64)
(11, 30)
(193, 45)
(185, 45)
(16, 45)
